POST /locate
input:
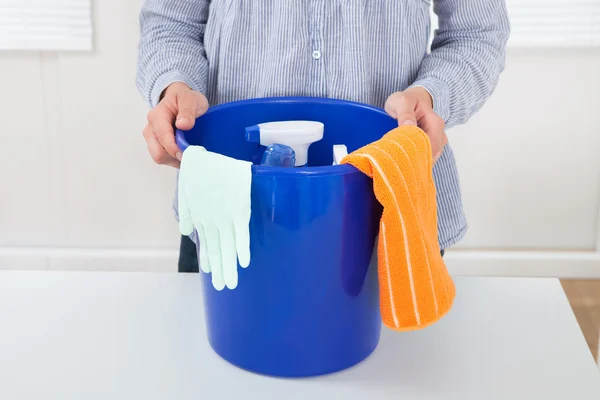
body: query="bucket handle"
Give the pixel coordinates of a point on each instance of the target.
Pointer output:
(180, 140)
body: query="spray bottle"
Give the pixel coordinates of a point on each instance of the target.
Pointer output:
(287, 141)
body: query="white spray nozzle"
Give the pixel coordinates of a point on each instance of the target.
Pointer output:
(339, 152)
(299, 135)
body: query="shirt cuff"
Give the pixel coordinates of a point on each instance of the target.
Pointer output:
(167, 79)
(439, 93)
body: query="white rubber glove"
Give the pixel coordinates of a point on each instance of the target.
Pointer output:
(214, 198)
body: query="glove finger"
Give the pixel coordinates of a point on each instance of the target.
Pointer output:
(186, 225)
(228, 255)
(242, 242)
(213, 244)
(204, 260)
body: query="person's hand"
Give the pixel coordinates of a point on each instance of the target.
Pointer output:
(414, 107)
(179, 107)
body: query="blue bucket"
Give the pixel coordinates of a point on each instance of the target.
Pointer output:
(308, 304)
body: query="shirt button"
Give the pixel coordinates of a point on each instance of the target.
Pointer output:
(316, 54)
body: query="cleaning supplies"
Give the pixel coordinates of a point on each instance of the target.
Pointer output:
(415, 287)
(214, 199)
(339, 152)
(298, 135)
(279, 155)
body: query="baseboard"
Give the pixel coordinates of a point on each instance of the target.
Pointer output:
(48, 258)
(569, 264)
(460, 262)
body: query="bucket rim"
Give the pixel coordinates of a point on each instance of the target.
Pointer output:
(328, 170)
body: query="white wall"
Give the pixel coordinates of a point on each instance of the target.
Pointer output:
(530, 160)
(75, 170)
(80, 191)
(530, 168)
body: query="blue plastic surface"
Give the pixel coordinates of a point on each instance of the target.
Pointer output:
(308, 304)
(253, 134)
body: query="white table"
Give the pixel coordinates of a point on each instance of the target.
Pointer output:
(129, 336)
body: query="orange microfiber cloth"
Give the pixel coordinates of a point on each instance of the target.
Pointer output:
(415, 287)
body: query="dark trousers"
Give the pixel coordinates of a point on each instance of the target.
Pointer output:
(188, 256)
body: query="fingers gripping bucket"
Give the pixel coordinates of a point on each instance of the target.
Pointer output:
(308, 304)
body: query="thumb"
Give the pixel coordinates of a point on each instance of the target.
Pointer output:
(405, 111)
(190, 105)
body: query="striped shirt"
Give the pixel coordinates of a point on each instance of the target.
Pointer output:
(358, 50)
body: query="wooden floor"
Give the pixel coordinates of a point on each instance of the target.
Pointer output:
(584, 296)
